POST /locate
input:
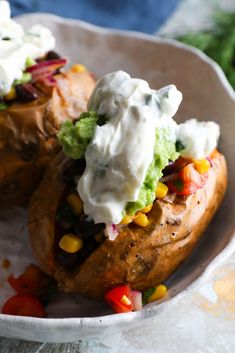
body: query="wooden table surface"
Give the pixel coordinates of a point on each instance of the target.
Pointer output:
(18, 346)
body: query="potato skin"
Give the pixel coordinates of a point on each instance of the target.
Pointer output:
(28, 133)
(142, 257)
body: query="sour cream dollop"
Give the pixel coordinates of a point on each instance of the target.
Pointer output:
(121, 151)
(199, 138)
(16, 46)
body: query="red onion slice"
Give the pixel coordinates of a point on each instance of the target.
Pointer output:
(111, 231)
(44, 70)
(137, 300)
(47, 65)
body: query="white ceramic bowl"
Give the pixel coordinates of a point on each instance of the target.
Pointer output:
(207, 96)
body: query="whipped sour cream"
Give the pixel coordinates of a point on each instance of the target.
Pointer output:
(121, 151)
(16, 46)
(199, 138)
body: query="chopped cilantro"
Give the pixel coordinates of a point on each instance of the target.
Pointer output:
(147, 294)
(179, 146)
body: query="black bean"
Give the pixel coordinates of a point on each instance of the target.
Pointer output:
(86, 228)
(86, 251)
(65, 259)
(51, 55)
(74, 169)
(26, 92)
(91, 245)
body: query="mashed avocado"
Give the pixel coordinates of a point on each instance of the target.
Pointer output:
(75, 138)
(164, 151)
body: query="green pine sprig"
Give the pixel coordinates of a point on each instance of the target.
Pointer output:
(218, 42)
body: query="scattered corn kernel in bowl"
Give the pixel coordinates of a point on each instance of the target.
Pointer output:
(75, 203)
(159, 293)
(71, 243)
(126, 219)
(147, 209)
(141, 219)
(201, 165)
(161, 190)
(79, 68)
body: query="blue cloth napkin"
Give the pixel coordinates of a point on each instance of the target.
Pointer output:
(139, 15)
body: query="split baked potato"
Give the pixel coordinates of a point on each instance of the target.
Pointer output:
(141, 257)
(28, 132)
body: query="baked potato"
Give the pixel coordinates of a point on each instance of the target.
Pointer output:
(140, 256)
(28, 132)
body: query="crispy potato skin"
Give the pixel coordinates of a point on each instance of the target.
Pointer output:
(142, 257)
(28, 133)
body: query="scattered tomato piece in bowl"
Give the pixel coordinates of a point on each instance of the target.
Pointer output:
(123, 299)
(34, 290)
(120, 298)
(24, 305)
(34, 282)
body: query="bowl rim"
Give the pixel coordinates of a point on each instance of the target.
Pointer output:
(153, 308)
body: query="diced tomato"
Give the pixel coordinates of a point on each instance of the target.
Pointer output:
(187, 181)
(120, 299)
(176, 166)
(24, 305)
(33, 281)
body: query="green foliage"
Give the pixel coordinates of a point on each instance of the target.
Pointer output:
(218, 43)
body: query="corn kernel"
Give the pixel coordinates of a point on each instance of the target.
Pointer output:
(147, 209)
(71, 243)
(201, 165)
(79, 68)
(75, 203)
(141, 219)
(159, 293)
(126, 219)
(11, 94)
(161, 190)
(125, 300)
